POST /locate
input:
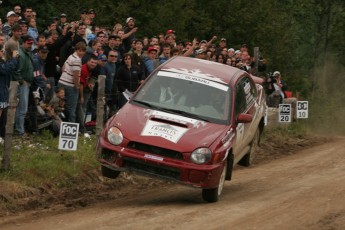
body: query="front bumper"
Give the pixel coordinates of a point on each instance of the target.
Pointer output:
(121, 158)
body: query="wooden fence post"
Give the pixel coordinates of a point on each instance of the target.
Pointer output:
(256, 58)
(100, 104)
(11, 112)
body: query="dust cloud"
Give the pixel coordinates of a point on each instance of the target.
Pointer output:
(327, 106)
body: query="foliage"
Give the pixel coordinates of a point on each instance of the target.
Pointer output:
(297, 37)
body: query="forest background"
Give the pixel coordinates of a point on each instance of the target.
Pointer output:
(303, 39)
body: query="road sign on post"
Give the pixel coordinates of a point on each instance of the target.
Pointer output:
(68, 139)
(302, 109)
(284, 113)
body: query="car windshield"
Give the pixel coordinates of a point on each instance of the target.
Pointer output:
(186, 95)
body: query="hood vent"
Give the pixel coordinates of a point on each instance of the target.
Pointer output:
(170, 122)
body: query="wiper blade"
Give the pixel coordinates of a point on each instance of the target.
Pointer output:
(144, 103)
(186, 114)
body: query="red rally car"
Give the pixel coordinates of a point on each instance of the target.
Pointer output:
(191, 121)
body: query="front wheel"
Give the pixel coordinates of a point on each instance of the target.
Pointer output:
(107, 172)
(212, 195)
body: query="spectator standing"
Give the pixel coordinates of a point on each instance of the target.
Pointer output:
(130, 29)
(7, 26)
(2, 39)
(6, 68)
(62, 21)
(39, 85)
(54, 44)
(25, 76)
(138, 54)
(129, 77)
(221, 45)
(41, 41)
(69, 80)
(166, 54)
(111, 91)
(24, 26)
(101, 38)
(275, 90)
(17, 9)
(27, 12)
(13, 43)
(80, 36)
(114, 43)
(86, 87)
(151, 62)
(32, 30)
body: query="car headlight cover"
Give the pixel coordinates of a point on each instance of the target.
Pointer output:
(115, 136)
(201, 155)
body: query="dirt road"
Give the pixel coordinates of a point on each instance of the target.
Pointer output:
(299, 191)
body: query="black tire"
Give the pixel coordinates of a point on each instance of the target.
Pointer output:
(249, 158)
(212, 194)
(107, 172)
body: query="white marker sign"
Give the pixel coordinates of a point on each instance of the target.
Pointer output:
(68, 139)
(302, 109)
(284, 113)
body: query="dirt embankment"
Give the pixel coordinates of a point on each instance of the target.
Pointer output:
(90, 187)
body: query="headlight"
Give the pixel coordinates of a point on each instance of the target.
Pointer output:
(115, 136)
(201, 155)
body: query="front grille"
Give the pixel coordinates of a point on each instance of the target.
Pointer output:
(151, 168)
(155, 150)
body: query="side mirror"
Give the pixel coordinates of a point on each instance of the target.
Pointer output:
(244, 118)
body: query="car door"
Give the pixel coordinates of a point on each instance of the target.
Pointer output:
(245, 95)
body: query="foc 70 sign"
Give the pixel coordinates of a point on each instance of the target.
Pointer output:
(68, 139)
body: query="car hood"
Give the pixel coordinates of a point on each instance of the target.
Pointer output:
(165, 130)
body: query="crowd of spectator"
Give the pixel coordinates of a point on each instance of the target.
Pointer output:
(57, 66)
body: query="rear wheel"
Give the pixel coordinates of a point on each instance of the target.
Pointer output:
(249, 158)
(211, 195)
(107, 172)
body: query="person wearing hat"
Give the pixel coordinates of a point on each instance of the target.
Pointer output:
(275, 89)
(221, 45)
(24, 26)
(201, 54)
(62, 20)
(25, 76)
(6, 27)
(92, 15)
(150, 60)
(130, 29)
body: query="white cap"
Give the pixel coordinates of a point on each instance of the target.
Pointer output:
(128, 19)
(10, 13)
(276, 73)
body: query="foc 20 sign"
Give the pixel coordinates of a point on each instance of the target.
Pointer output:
(68, 139)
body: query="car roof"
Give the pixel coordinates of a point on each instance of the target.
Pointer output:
(202, 68)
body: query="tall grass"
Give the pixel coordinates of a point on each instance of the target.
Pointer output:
(37, 160)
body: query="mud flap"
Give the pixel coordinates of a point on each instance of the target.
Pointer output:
(229, 166)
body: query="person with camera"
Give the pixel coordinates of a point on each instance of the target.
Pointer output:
(276, 88)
